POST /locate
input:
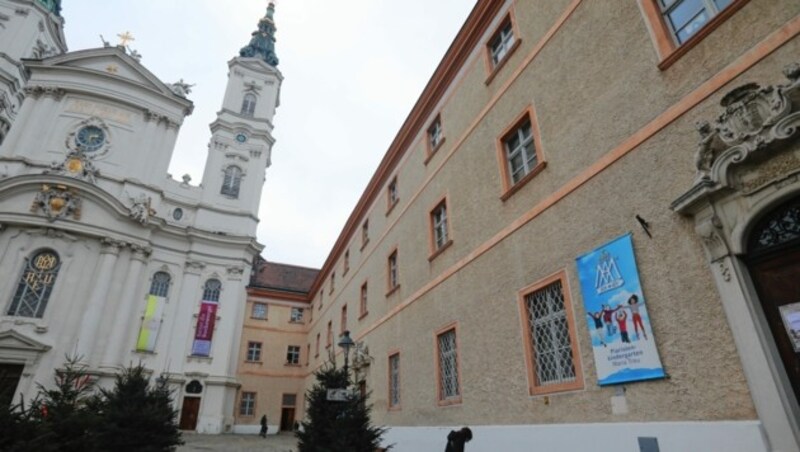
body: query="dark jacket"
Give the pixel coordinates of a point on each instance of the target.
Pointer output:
(455, 441)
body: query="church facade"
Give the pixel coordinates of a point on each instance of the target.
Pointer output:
(583, 237)
(107, 258)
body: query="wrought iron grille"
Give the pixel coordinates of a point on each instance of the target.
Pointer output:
(448, 366)
(35, 285)
(394, 380)
(550, 340)
(211, 290)
(440, 225)
(779, 228)
(160, 284)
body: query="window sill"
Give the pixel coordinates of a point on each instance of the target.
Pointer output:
(496, 69)
(363, 314)
(516, 187)
(292, 365)
(441, 250)
(260, 363)
(432, 152)
(555, 389)
(259, 318)
(449, 402)
(391, 207)
(296, 322)
(392, 291)
(206, 359)
(679, 51)
(394, 408)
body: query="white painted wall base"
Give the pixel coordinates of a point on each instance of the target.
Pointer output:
(253, 429)
(743, 436)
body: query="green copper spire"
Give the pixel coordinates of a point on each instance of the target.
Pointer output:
(54, 6)
(262, 44)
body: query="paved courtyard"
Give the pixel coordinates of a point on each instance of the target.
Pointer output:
(284, 442)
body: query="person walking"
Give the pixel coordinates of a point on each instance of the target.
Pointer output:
(456, 439)
(263, 432)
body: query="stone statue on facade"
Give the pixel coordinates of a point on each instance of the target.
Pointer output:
(181, 88)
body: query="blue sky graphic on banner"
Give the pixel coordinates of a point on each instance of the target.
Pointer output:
(622, 339)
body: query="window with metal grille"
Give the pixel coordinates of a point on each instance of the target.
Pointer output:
(247, 404)
(231, 181)
(365, 233)
(392, 193)
(159, 286)
(551, 345)
(296, 315)
(259, 311)
(249, 105)
(344, 318)
(435, 134)
(254, 351)
(293, 354)
(211, 290)
(439, 224)
(448, 366)
(289, 400)
(685, 17)
(363, 304)
(333, 281)
(346, 263)
(392, 268)
(394, 380)
(502, 42)
(520, 151)
(35, 284)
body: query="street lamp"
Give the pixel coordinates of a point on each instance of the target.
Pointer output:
(346, 343)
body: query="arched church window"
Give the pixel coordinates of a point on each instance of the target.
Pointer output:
(160, 284)
(231, 181)
(211, 290)
(35, 285)
(249, 104)
(779, 228)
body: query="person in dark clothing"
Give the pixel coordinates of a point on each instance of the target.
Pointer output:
(456, 440)
(263, 426)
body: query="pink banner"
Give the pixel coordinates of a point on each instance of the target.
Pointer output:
(205, 328)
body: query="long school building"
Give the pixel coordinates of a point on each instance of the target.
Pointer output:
(583, 236)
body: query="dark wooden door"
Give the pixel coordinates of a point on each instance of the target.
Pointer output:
(189, 412)
(777, 280)
(287, 419)
(9, 379)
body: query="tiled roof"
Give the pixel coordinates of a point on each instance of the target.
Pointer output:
(282, 277)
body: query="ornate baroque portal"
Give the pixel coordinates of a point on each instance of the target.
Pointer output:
(745, 203)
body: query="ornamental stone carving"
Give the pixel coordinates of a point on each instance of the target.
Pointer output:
(141, 210)
(39, 91)
(56, 202)
(76, 165)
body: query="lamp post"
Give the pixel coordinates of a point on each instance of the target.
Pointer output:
(346, 343)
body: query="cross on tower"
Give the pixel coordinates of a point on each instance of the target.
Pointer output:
(125, 38)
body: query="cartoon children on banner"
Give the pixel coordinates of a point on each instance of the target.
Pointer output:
(617, 315)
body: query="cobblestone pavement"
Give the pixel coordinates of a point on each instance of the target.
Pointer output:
(284, 442)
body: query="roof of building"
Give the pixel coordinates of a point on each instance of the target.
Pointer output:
(282, 277)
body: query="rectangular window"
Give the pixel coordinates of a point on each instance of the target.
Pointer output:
(316, 354)
(440, 236)
(392, 279)
(346, 262)
(254, 351)
(435, 135)
(289, 400)
(392, 195)
(296, 315)
(364, 233)
(550, 332)
(259, 311)
(293, 354)
(519, 151)
(344, 318)
(310, 313)
(363, 301)
(333, 281)
(247, 404)
(394, 381)
(329, 337)
(308, 353)
(502, 42)
(449, 384)
(686, 17)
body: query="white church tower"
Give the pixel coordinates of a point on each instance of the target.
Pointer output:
(104, 255)
(241, 144)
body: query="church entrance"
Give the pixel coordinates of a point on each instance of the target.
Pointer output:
(774, 263)
(189, 412)
(9, 379)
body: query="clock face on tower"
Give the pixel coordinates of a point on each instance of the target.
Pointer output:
(241, 138)
(90, 138)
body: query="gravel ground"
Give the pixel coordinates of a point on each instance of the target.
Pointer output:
(284, 442)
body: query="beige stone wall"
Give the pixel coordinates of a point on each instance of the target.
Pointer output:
(594, 85)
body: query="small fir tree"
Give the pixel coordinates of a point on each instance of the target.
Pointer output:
(332, 426)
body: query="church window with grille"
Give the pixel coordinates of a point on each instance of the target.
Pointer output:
(449, 385)
(231, 181)
(159, 286)
(553, 364)
(212, 290)
(35, 285)
(394, 381)
(249, 105)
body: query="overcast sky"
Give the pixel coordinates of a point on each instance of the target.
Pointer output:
(352, 69)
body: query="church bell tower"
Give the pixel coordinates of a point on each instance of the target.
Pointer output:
(241, 142)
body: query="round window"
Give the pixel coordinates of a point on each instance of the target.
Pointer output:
(177, 214)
